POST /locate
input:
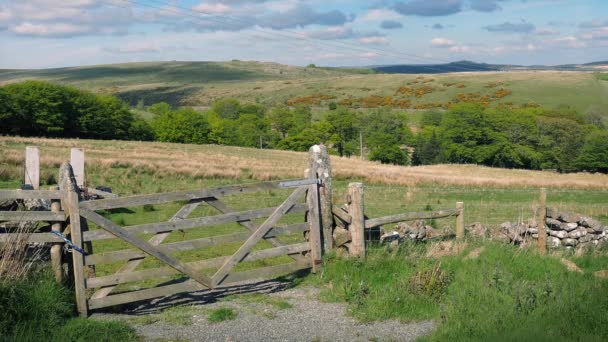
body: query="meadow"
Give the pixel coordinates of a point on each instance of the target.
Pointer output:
(505, 294)
(199, 84)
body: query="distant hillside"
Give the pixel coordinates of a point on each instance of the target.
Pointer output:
(461, 66)
(468, 66)
(406, 87)
(170, 72)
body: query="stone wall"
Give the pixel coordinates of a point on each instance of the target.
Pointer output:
(564, 229)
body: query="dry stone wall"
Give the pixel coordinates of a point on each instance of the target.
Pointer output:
(564, 229)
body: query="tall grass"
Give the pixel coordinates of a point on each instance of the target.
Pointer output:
(507, 294)
(207, 161)
(36, 308)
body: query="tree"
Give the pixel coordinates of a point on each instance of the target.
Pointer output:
(181, 126)
(467, 136)
(431, 118)
(427, 151)
(594, 154)
(344, 128)
(227, 108)
(389, 152)
(159, 108)
(282, 120)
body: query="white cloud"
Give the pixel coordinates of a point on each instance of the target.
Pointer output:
(375, 40)
(59, 29)
(379, 14)
(368, 55)
(135, 47)
(442, 42)
(213, 8)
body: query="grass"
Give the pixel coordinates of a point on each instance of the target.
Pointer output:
(602, 76)
(201, 83)
(507, 294)
(491, 196)
(37, 308)
(221, 315)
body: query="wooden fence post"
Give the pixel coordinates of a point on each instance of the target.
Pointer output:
(77, 162)
(460, 221)
(32, 167)
(314, 222)
(56, 247)
(71, 206)
(541, 221)
(356, 209)
(319, 161)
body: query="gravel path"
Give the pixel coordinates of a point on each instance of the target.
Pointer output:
(307, 320)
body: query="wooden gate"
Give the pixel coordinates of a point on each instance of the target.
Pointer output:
(93, 291)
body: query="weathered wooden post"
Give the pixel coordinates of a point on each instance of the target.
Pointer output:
(356, 209)
(460, 221)
(71, 206)
(77, 162)
(31, 176)
(541, 221)
(56, 247)
(314, 222)
(319, 161)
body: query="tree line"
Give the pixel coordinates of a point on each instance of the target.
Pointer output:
(500, 136)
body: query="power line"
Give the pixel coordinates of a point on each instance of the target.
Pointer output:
(219, 19)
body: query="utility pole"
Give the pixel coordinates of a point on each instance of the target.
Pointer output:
(361, 144)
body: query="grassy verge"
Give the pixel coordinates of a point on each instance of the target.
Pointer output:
(39, 309)
(505, 294)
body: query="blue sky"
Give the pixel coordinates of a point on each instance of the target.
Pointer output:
(56, 33)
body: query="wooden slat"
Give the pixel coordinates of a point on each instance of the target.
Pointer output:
(144, 246)
(125, 277)
(154, 241)
(139, 200)
(101, 193)
(20, 216)
(410, 217)
(32, 238)
(30, 194)
(281, 210)
(110, 257)
(70, 204)
(222, 207)
(188, 286)
(314, 222)
(342, 215)
(190, 223)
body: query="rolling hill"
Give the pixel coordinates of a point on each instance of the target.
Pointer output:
(201, 83)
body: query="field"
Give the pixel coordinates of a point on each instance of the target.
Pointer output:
(505, 292)
(491, 195)
(201, 83)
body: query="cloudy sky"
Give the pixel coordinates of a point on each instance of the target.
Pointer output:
(55, 33)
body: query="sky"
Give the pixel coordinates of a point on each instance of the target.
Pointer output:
(59, 33)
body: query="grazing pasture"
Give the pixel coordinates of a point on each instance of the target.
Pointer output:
(271, 84)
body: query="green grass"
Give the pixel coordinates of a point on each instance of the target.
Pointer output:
(201, 83)
(507, 294)
(39, 309)
(221, 315)
(602, 76)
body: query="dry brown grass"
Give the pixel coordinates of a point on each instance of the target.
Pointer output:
(237, 162)
(15, 258)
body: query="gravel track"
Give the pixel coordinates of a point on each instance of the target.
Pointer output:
(307, 320)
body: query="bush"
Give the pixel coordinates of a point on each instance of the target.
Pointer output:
(389, 154)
